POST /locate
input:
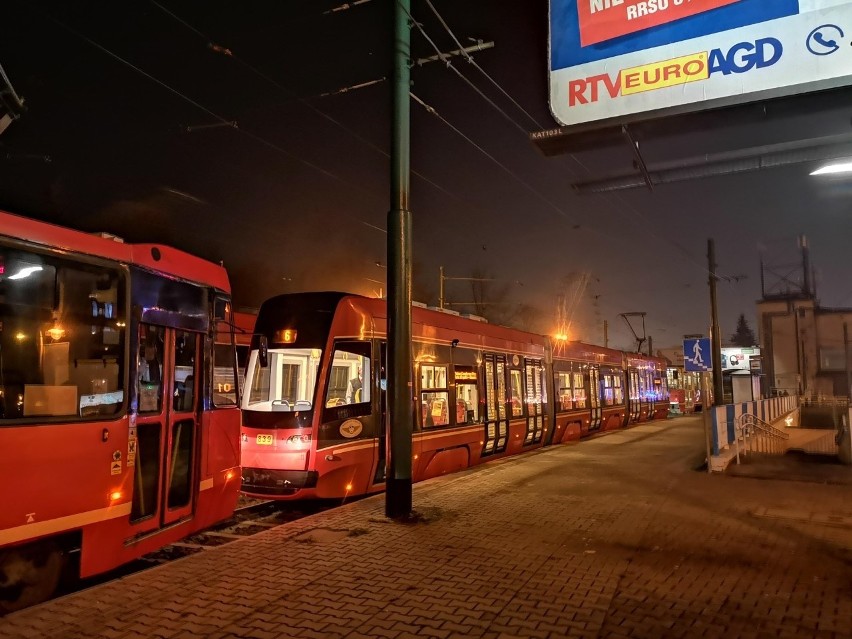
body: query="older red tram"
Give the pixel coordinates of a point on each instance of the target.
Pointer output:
(113, 439)
(314, 404)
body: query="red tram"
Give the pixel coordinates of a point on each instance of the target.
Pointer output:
(314, 418)
(113, 439)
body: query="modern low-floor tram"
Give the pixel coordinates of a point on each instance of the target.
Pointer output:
(314, 408)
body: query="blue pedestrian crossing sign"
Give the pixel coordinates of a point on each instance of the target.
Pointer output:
(697, 356)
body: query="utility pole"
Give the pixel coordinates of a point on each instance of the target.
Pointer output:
(441, 287)
(715, 334)
(846, 353)
(400, 414)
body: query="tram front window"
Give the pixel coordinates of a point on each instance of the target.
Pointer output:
(287, 384)
(62, 334)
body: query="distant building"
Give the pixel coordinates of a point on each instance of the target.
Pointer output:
(804, 346)
(803, 343)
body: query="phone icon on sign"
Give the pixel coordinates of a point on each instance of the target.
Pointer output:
(828, 44)
(824, 40)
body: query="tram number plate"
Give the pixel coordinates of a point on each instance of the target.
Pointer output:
(264, 440)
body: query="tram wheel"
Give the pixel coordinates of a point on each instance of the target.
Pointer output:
(28, 575)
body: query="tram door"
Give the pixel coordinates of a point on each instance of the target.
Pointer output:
(167, 426)
(595, 397)
(496, 416)
(634, 397)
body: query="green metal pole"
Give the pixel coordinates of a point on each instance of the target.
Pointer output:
(715, 332)
(400, 389)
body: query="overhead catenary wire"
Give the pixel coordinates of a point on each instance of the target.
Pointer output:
(345, 6)
(219, 118)
(448, 63)
(498, 108)
(495, 106)
(618, 210)
(573, 157)
(432, 111)
(265, 76)
(320, 112)
(530, 188)
(473, 62)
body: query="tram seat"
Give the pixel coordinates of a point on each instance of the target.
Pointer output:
(302, 405)
(461, 411)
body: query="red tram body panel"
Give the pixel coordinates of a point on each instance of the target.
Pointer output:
(112, 440)
(314, 418)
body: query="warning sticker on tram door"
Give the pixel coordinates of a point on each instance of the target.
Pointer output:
(115, 468)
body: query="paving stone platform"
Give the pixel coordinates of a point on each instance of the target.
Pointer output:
(616, 536)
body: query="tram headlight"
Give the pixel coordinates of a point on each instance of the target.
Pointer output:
(299, 440)
(115, 495)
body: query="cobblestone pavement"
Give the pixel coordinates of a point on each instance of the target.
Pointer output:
(617, 536)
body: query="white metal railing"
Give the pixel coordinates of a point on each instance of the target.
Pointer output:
(759, 436)
(825, 400)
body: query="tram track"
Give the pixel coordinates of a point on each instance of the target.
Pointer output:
(250, 517)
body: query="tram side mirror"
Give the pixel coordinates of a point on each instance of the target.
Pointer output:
(263, 352)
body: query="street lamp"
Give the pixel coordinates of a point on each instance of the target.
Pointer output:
(836, 168)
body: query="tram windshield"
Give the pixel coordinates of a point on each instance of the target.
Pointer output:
(62, 334)
(287, 384)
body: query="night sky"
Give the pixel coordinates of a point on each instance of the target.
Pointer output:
(296, 198)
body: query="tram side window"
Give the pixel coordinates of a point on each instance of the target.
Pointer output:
(660, 385)
(259, 391)
(563, 387)
(608, 395)
(434, 396)
(61, 337)
(617, 390)
(579, 391)
(150, 368)
(224, 375)
(186, 352)
(349, 382)
(467, 395)
(516, 397)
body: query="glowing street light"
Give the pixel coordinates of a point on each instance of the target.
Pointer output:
(834, 169)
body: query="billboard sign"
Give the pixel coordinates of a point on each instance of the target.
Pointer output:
(620, 60)
(738, 358)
